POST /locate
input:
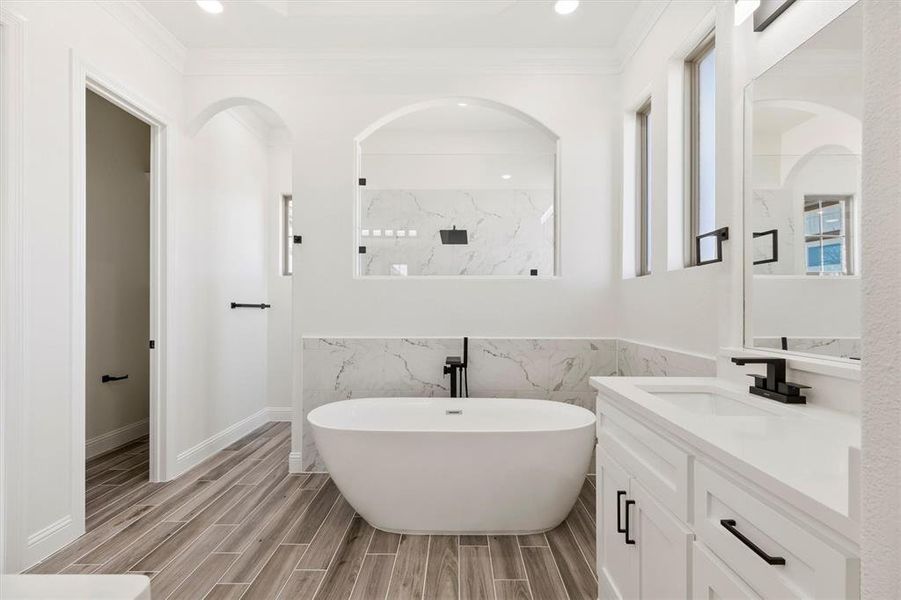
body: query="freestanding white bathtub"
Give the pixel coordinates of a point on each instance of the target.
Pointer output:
(448, 465)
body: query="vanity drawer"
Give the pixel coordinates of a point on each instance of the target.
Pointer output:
(659, 465)
(710, 578)
(749, 535)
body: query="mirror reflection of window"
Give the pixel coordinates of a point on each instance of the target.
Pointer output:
(826, 235)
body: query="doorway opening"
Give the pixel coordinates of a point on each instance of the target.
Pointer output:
(135, 307)
(117, 306)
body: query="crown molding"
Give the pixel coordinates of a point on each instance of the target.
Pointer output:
(147, 29)
(532, 61)
(640, 25)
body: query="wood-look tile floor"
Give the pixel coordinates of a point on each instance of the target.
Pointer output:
(239, 525)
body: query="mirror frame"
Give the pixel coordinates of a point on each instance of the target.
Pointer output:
(747, 278)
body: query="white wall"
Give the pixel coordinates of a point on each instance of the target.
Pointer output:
(118, 275)
(706, 299)
(278, 355)
(650, 304)
(881, 452)
(216, 367)
(222, 236)
(41, 497)
(325, 113)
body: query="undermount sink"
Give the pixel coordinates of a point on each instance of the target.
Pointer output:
(709, 403)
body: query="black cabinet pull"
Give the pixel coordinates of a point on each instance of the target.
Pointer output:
(626, 532)
(721, 235)
(108, 378)
(240, 305)
(729, 524)
(619, 516)
(775, 256)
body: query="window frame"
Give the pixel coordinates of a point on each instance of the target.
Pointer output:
(286, 210)
(846, 202)
(693, 139)
(643, 197)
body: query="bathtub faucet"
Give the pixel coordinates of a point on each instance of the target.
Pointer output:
(456, 368)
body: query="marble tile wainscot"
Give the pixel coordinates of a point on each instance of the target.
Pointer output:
(543, 368)
(634, 359)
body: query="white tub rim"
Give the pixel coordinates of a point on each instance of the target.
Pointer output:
(588, 418)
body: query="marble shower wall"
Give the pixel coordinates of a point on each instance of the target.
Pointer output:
(773, 209)
(553, 369)
(510, 232)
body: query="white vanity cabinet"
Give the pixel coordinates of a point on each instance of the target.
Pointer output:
(675, 522)
(643, 550)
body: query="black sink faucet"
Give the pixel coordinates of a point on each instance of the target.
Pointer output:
(773, 385)
(456, 368)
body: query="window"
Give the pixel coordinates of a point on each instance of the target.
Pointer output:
(643, 189)
(701, 69)
(827, 235)
(287, 234)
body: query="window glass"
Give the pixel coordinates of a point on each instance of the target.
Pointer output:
(826, 235)
(287, 235)
(643, 189)
(706, 152)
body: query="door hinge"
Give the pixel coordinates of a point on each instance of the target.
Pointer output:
(152, 344)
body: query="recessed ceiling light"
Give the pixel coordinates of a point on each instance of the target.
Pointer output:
(214, 7)
(506, 176)
(462, 104)
(565, 7)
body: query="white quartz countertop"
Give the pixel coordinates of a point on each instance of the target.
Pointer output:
(798, 452)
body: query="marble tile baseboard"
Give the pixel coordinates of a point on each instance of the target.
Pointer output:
(544, 368)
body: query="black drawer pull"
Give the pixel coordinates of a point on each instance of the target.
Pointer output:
(628, 504)
(619, 516)
(729, 524)
(108, 378)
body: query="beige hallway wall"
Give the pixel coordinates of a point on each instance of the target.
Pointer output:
(118, 272)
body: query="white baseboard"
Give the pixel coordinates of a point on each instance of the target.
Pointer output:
(115, 438)
(44, 542)
(295, 463)
(216, 442)
(280, 413)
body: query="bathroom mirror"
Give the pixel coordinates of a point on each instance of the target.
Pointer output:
(457, 188)
(803, 197)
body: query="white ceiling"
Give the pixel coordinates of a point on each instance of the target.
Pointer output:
(386, 24)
